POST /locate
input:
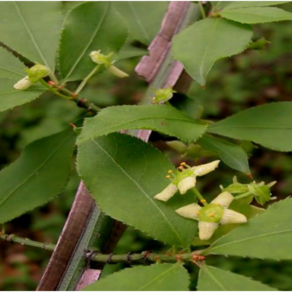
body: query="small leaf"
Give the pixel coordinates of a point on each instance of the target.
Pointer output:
(11, 71)
(128, 173)
(160, 118)
(256, 15)
(214, 279)
(143, 18)
(268, 125)
(157, 277)
(89, 27)
(243, 4)
(231, 154)
(200, 45)
(37, 176)
(32, 29)
(266, 236)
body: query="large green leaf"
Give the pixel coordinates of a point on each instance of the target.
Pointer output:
(214, 279)
(89, 27)
(160, 118)
(199, 46)
(37, 176)
(143, 18)
(123, 174)
(266, 236)
(231, 154)
(157, 277)
(11, 71)
(32, 29)
(243, 4)
(254, 15)
(269, 125)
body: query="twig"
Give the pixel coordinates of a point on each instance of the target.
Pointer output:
(27, 242)
(145, 257)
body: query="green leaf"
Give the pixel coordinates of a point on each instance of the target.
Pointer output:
(266, 236)
(32, 29)
(160, 118)
(143, 18)
(214, 279)
(89, 27)
(200, 45)
(256, 15)
(128, 173)
(231, 154)
(37, 176)
(11, 71)
(157, 277)
(243, 4)
(269, 125)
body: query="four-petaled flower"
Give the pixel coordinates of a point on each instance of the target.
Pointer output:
(213, 214)
(184, 180)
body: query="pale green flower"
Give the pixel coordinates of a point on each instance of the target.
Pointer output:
(101, 59)
(162, 95)
(34, 74)
(185, 179)
(212, 215)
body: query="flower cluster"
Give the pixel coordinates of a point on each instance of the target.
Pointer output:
(34, 74)
(260, 191)
(101, 59)
(210, 216)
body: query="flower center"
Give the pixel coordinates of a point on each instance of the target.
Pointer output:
(182, 175)
(211, 213)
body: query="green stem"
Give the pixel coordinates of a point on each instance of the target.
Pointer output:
(80, 102)
(247, 194)
(27, 242)
(87, 78)
(202, 9)
(54, 90)
(199, 196)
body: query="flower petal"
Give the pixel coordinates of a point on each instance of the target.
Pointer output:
(167, 193)
(187, 183)
(22, 84)
(207, 229)
(189, 211)
(205, 168)
(231, 217)
(224, 199)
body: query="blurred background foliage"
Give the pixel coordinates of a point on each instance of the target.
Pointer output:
(250, 79)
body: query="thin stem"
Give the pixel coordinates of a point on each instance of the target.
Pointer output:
(55, 91)
(202, 9)
(144, 257)
(247, 194)
(199, 196)
(27, 242)
(87, 78)
(80, 102)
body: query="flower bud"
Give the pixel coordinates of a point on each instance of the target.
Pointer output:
(101, 59)
(37, 72)
(23, 84)
(162, 95)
